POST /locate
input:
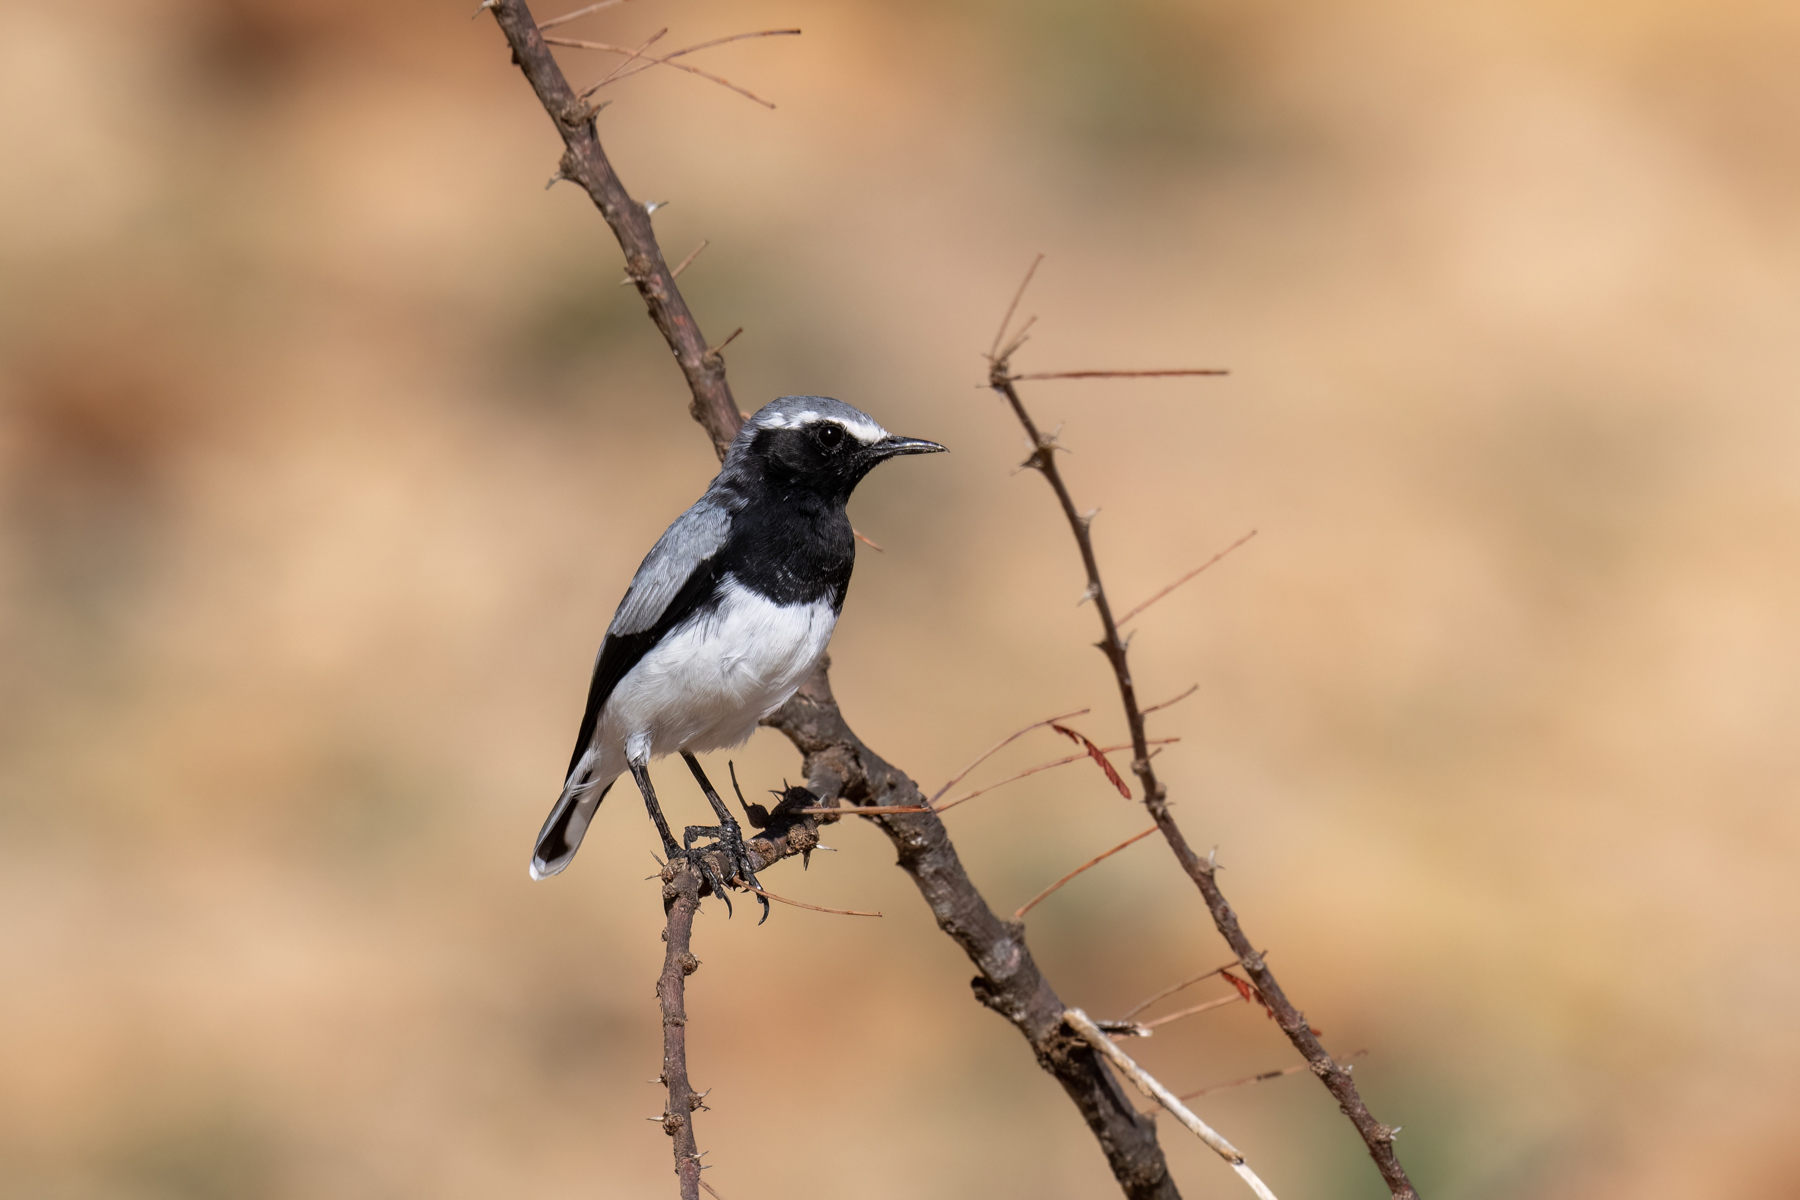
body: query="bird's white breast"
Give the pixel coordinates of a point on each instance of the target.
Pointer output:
(707, 683)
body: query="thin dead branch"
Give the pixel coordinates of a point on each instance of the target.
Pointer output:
(1171, 703)
(565, 18)
(1058, 762)
(1263, 1078)
(1377, 1137)
(1000, 333)
(1037, 375)
(1019, 914)
(667, 60)
(631, 56)
(1096, 1037)
(842, 912)
(1221, 1002)
(1177, 987)
(998, 746)
(1152, 600)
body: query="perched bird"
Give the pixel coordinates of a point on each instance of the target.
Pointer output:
(726, 616)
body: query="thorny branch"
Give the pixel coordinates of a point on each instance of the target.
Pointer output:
(585, 164)
(1335, 1076)
(681, 896)
(838, 764)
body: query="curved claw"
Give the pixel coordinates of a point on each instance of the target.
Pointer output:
(728, 840)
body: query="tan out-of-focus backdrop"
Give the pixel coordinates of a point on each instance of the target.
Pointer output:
(328, 441)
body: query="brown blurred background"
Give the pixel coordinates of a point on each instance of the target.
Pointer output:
(328, 442)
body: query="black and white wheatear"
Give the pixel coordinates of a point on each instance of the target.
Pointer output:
(726, 616)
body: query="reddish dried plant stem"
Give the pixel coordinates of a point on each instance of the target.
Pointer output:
(1378, 1138)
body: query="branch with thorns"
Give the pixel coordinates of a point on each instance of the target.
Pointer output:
(1377, 1138)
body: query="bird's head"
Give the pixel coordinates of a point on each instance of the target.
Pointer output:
(817, 443)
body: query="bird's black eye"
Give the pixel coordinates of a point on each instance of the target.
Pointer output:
(829, 436)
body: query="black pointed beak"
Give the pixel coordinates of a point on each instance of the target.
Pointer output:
(893, 446)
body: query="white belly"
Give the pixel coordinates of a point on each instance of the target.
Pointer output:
(706, 686)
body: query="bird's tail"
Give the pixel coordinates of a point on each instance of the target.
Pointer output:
(561, 835)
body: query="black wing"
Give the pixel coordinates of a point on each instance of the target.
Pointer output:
(622, 651)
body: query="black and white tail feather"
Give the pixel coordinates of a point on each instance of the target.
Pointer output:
(727, 614)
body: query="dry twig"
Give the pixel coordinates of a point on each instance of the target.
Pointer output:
(1055, 762)
(565, 18)
(668, 60)
(1152, 600)
(1019, 915)
(842, 912)
(1176, 987)
(1096, 1037)
(1117, 374)
(998, 746)
(1262, 1078)
(1221, 1002)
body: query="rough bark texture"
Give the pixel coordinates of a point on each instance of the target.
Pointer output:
(681, 896)
(1009, 982)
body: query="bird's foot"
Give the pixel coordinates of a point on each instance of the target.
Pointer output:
(728, 843)
(703, 866)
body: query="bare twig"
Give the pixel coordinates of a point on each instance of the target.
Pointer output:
(1019, 915)
(1221, 1002)
(692, 255)
(866, 540)
(1377, 1137)
(998, 746)
(1152, 600)
(668, 60)
(1173, 702)
(842, 912)
(1000, 333)
(1177, 987)
(1057, 762)
(631, 56)
(1037, 375)
(1265, 1076)
(553, 22)
(1095, 1037)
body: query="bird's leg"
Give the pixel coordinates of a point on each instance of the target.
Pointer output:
(641, 773)
(728, 833)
